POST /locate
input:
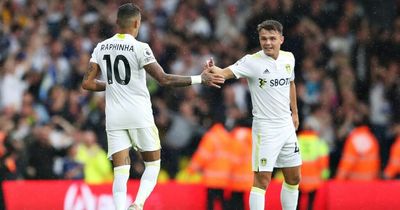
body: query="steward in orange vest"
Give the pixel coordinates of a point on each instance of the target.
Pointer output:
(360, 158)
(393, 167)
(315, 155)
(315, 168)
(241, 177)
(213, 158)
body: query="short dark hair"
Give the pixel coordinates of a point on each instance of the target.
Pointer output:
(270, 25)
(125, 13)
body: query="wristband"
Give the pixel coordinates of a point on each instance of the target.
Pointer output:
(196, 79)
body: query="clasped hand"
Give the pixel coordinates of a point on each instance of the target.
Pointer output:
(209, 77)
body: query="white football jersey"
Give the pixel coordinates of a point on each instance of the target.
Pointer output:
(121, 59)
(269, 84)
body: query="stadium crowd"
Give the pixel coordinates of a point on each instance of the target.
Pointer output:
(347, 74)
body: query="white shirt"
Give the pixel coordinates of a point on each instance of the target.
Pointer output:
(121, 59)
(12, 89)
(269, 84)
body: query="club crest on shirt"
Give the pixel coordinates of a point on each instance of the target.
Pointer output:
(288, 69)
(263, 161)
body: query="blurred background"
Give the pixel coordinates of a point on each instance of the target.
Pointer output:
(347, 76)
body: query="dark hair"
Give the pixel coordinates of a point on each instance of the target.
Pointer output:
(270, 25)
(125, 13)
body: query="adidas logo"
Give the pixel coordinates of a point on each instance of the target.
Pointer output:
(266, 71)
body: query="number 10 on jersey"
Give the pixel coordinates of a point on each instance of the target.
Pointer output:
(114, 68)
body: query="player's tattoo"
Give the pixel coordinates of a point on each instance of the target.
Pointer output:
(90, 69)
(177, 81)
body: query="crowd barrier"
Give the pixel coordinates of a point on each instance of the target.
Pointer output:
(72, 195)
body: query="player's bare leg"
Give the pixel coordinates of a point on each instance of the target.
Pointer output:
(290, 188)
(149, 178)
(257, 193)
(122, 164)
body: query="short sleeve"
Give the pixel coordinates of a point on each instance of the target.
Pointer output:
(94, 56)
(241, 68)
(145, 55)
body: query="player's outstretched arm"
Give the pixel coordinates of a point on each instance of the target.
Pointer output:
(206, 78)
(90, 81)
(226, 72)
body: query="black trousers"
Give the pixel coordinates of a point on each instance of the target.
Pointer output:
(216, 194)
(2, 203)
(311, 197)
(237, 201)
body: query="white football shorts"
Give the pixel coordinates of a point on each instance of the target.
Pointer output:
(141, 139)
(274, 146)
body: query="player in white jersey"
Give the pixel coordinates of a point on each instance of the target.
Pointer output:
(270, 76)
(124, 61)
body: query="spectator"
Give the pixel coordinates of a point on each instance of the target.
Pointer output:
(315, 168)
(241, 178)
(380, 110)
(72, 169)
(182, 131)
(360, 158)
(7, 166)
(392, 170)
(12, 85)
(97, 169)
(41, 155)
(212, 158)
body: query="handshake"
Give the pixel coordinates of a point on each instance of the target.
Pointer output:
(212, 75)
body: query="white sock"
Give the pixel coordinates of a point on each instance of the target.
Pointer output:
(148, 181)
(257, 199)
(121, 176)
(289, 196)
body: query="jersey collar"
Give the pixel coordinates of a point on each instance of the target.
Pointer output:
(123, 36)
(269, 57)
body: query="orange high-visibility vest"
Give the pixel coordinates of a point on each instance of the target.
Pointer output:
(241, 174)
(393, 167)
(315, 156)
(360, 158)
(213, 157)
